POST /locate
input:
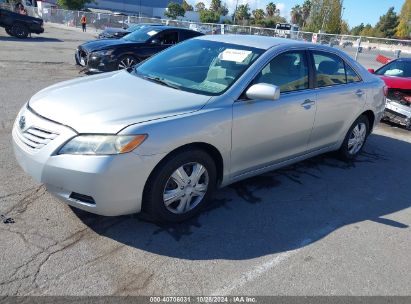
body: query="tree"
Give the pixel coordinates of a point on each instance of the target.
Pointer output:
(258, 14)
(387, 24)
(223, 10)
(305, 11)
(217, 6)
(325, 15)
(186, 6)
(272, 22)
(345, 28)
(73, 4)
(333, 18)
(404, 27)
(367, 31)
(174, 10)
(297, 15)
(200, 6)
(208, 16)
(271, 9)
(243, 12)
(356, 30)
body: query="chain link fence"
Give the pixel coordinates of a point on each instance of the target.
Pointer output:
(369, 51)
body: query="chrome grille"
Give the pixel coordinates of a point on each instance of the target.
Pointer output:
(36, 138)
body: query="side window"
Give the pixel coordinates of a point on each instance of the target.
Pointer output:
(289, 71)
(330, 69)
(169, 38)
(351, 74)
(188, 34)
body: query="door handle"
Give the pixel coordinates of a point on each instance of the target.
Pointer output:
(359, 93)
(307, 103)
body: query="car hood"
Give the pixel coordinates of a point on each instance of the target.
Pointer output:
(109, 102)
(101, 44)
(397, 82)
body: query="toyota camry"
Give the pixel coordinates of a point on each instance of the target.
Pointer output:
(213, 110)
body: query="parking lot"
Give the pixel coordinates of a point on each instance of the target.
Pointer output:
(320, 227)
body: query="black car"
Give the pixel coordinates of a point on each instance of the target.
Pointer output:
(19, 25)
(115, 54)
(116, 33)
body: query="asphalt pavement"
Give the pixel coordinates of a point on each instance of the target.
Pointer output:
(320, 227)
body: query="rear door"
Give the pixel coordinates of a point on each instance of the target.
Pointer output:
(164, 39)
(340, 98)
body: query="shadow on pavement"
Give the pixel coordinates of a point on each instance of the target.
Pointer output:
(30, 39)
(280, 211)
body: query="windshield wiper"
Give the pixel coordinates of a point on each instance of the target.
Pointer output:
(161, 81)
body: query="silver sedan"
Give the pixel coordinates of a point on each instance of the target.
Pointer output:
(213, 110)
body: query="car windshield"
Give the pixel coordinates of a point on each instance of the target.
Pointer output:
(199, 66)
(398, 68)
(141, 35)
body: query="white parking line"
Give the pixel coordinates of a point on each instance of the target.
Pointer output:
(253, 274)
(259, 270)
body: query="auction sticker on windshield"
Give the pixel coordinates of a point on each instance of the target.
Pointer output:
(151, 33)
(234, 55)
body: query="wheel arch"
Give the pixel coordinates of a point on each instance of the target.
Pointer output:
(371, 119)
(128, 53)
(206, 147)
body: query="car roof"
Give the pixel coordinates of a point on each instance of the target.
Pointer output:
(146, 24)
(407, 59)
(167, 27)
(256, 41)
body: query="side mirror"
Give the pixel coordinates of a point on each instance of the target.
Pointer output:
(372, 71)
(263, 91)
(155, 41)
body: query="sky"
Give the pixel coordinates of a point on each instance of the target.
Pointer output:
(356, 11)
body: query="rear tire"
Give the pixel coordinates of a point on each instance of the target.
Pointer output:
(169, 198)
(8, 30)
(355, 138)
(127, 62)
(20, 30)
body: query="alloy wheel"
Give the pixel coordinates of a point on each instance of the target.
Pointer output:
(127, 62)
(186, 188)
(357, 138)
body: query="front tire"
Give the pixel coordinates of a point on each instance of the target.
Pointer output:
(19, 30)
(355, 139)
(8, 30)
(180, 187)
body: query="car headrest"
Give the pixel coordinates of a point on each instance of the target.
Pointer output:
(328, 67)
(282, 63)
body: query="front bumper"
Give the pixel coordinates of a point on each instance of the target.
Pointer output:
(95, 64)
(114, 182)
(398, 113)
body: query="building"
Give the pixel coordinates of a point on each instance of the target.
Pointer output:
(146, 8)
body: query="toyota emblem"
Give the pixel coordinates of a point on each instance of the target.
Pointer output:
(22, 122)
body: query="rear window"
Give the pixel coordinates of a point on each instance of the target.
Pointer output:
(332, 70)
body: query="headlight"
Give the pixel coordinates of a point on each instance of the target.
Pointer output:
(102, 144)
(102, 53)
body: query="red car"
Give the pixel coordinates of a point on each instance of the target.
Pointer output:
(397, 76)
